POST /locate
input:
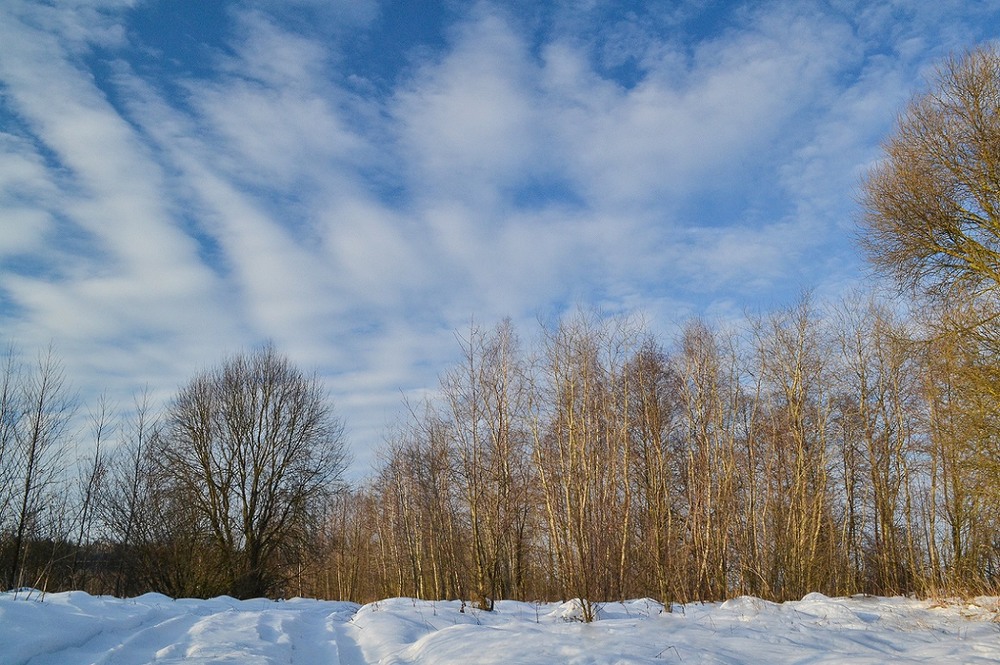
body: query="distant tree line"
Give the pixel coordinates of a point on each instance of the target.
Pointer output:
(849, 447)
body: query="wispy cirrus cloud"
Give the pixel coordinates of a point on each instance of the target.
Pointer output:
(97, 274)
(160, 212)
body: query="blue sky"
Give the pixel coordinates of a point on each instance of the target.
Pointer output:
(358, 180)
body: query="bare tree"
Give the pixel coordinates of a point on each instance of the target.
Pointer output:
(10, 415)
(423, 522)
(584, 459)
(658, 461)
(932, 206)
(92, 472)
(126, 500)
(878, 415)
(41, 413)
(793, 360)
(932, 221)
(255, 448)
(708, 394)
(960, 379)
(344, 559)
(487, 406)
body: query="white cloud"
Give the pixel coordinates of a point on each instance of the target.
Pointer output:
(77, 25)
(369, 247)
(688, 126)
(277, 120)
(467, 123)
(120, 275)
(24, 186)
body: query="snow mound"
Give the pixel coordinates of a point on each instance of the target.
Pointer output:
(574, 610)
(747, 606)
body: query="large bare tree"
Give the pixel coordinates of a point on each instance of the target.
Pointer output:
(255, 447)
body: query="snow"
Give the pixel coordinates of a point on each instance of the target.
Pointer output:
(74, 628)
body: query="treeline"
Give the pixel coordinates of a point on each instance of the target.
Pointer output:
(810, 450)
(839, 449)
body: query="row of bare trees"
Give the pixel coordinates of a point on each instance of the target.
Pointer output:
(816, 449)
(838, 448)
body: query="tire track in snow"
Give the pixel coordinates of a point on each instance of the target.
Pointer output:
(144, 643)
(200, 632)
(350, 652)
(245, 636)
(311, 637)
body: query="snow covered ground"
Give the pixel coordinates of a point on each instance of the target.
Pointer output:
(76, 628)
